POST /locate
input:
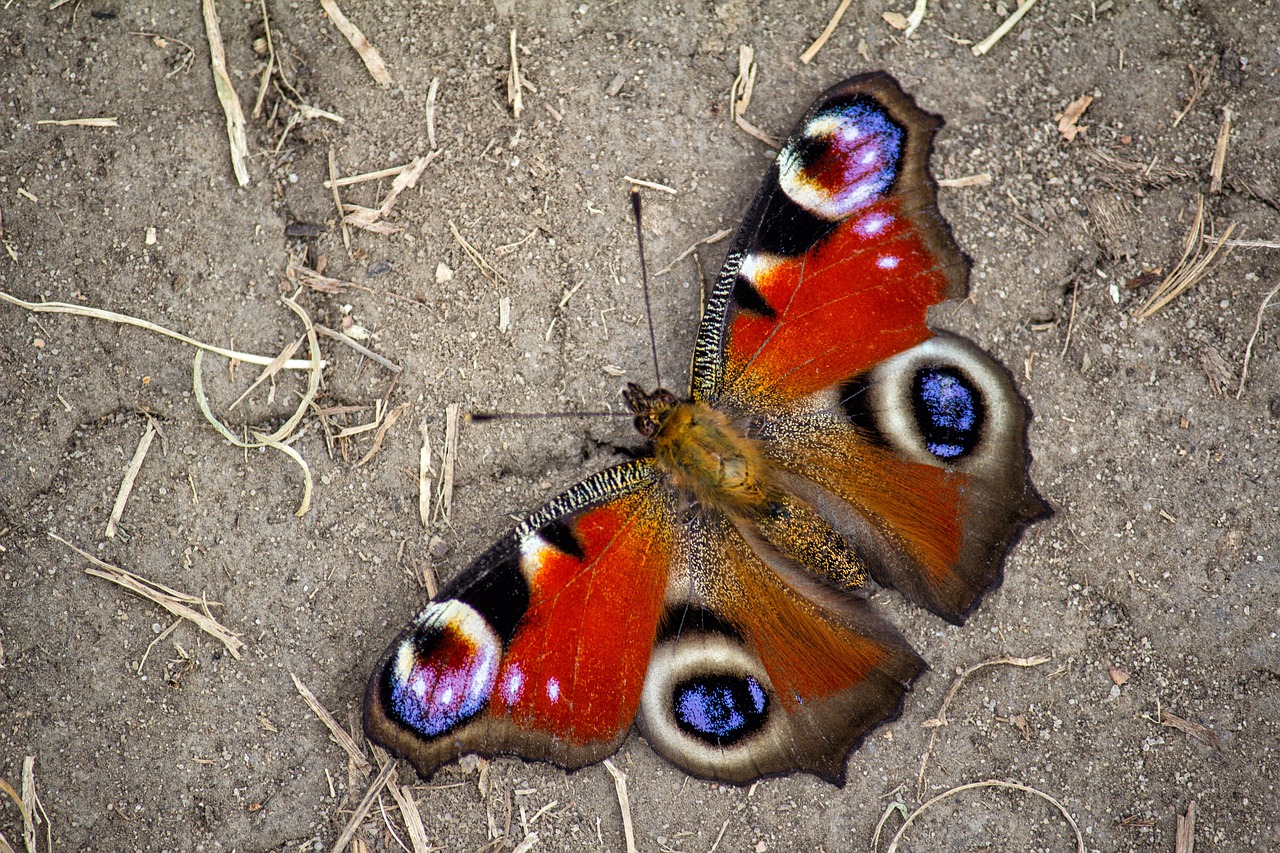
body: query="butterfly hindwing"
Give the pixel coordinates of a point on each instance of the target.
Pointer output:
(540, 647)
(759, 670)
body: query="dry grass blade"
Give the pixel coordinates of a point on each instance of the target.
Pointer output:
(403, 795)
(981, 179)
(1198, 85)
(358, 816)
(740, 95)
(28, 824)
(1191, 268)
(387, 423)
(1204, 734)
(29, 802)
(940, 719)
(125, 319)
(1001, 31)
(445, 503)
(359, 347)
(390, 172)
(337, 732)
(368, 53)
(1184, 840)
(337, 199)
(916, 17)
(714, 238)
(270, 370)
(424, 475)
(431, 112)
(82, 122)
(640, 182)
(1220, 153)
(830, 28)
(130, 475)
(1257, 327)
(307, 277)
(620, 785)
(990, 783)
(368, 217)
(514, 81)
(177, 603)
(227, 95)
(486, 269)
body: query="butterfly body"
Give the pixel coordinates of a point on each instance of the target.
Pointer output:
(713, 590)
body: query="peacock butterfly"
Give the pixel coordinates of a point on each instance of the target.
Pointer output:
(712, 590)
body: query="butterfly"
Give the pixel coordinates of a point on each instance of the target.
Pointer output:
(713, 589)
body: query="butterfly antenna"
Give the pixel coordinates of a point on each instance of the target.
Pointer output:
(644, 283)
(534, 416)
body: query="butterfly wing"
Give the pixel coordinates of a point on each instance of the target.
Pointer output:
(540, 647)
(815, 333)
(759, 669)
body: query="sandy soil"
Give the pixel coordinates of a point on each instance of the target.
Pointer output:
(1159, 566)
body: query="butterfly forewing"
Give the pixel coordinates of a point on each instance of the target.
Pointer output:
(540, 647)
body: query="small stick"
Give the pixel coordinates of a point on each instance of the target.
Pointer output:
(424, 475)
(1184, 840)
(620, 785)
(990, 41)
(359, 347)
(740, 95)
(270, 370)
(130, 475)
(166, 632)
(368, 176)
(979, 180)
(227, 95)
(337, 200)
(450, 459)
(362, 810)
(940, 719)
(1071, 321)
(486, 268)
(172, 600)
(403, 795)
(714, 238)
(990, 783)
(431, 112)
(387, 423)
(337, 732)
(514, 86)
(649, 184)
(1248, 351)
(1220, 152)
(830, 28)
(368, 53)
(82, 122)
(1198, 85)
(271, 61)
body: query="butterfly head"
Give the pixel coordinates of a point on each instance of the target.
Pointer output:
(651, 409)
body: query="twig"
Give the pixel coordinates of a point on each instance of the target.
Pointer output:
(1248, 351)
(940, 719)
(990, 41)
(1220, 152)
(358, 816)
(486, 269)
(130, 475)
(337, 732)
(830, 28)
(514, 80)
(1184, 840)
(368, 53)
(387, 423)
(1198, 85)
(271, 61)
(227, 95)
(740, 95)
(431, 112)
(175, 602)
(368, 176)
(990, 783)
(620, 785)
(714, 238)
(649, 184)
(424, 475)
(1192, 267)
(981, 179)
(82, 122)
(360, 348)
(337, 200)
(445, 504)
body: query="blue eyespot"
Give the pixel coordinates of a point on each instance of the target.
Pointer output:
(949, 411)
(720, 709)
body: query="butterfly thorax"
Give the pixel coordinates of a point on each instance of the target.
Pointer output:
(701, 451)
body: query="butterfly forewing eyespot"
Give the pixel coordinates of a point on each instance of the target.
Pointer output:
(711, 591)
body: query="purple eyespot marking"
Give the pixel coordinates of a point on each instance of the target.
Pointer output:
(845, 158)
(949, 411)
(445, 672)
(720, 709)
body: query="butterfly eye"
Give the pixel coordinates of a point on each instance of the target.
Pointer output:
(949, 411)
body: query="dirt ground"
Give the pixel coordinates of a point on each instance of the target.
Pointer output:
(1153, 588)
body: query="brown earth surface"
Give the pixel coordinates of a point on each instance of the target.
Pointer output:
(1153, 588)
